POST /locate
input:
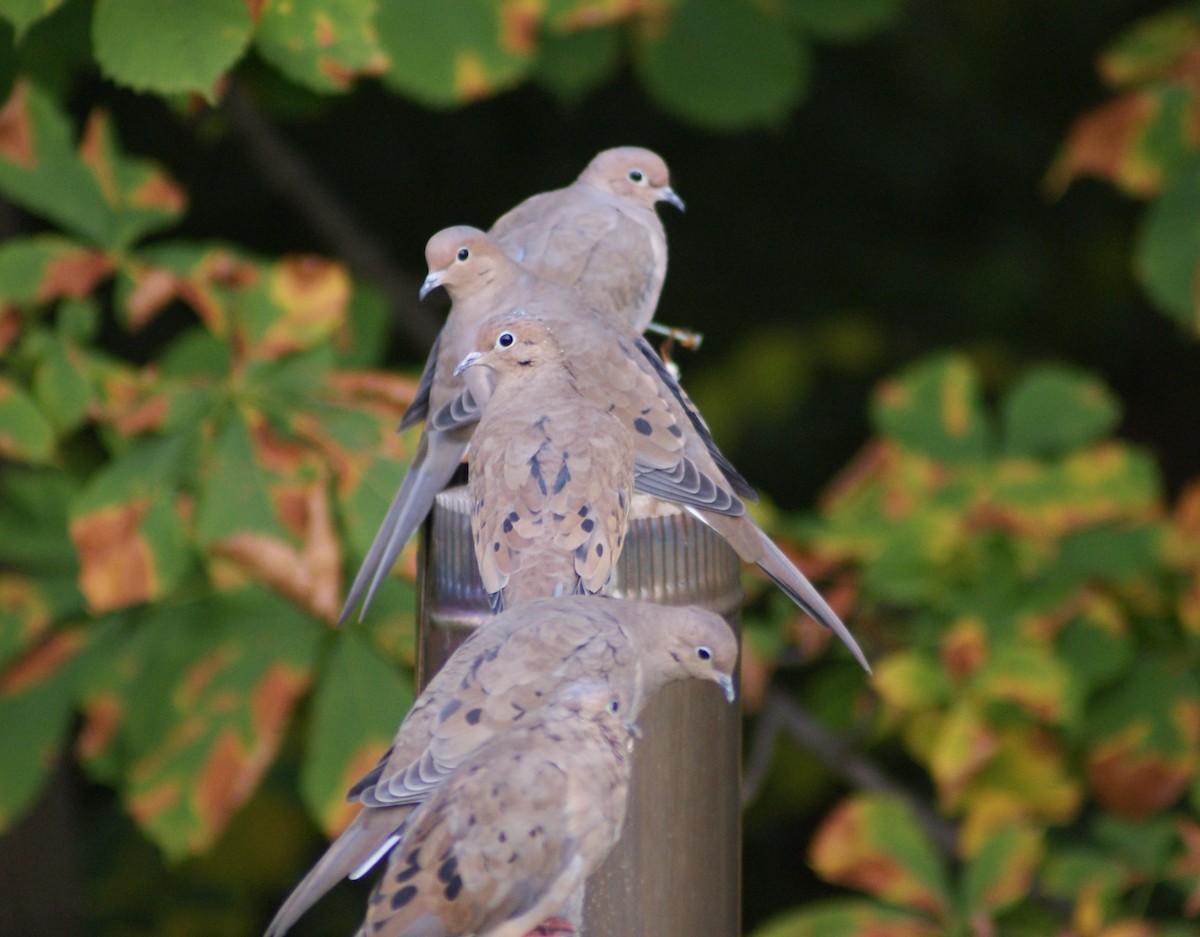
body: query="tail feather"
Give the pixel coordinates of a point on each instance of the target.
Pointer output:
(346, 855)
(437, 457)
(754, 546)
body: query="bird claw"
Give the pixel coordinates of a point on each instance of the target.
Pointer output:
(552, 927)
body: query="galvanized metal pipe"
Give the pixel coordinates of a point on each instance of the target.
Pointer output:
(677, 868)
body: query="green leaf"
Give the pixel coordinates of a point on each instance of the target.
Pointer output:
(847, 918)
(37, 695)
(203, 692)
(699, 66)
(46, 266)
(935, 407)
(321, 44)
(1152, 48)
(24, 13)
(33, 515)
(1112, 552)
(1146, 845)
(25, 433)
(444, 52)
(569, 65)
(359, 702)
(62, 386)
(170, 46)
(1167, 250)
(875, 844)
(1001, 873)
(844, 20)
(1054, 409)
(233, 490)
(98, 193)
(1095, 646)
(1143, 737)
(40, 171)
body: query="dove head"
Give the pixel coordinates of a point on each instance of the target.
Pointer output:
(693, 642)
(629, 172)
(514, 342)
(465, 261)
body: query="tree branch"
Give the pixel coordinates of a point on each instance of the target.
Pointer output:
(781, 714)
(285, 169)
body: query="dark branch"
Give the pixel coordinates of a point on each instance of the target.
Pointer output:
(781, 714)
(285, 169)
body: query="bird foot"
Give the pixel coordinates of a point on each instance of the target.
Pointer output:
(552, 927)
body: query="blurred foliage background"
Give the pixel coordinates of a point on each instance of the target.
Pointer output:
(945, 255)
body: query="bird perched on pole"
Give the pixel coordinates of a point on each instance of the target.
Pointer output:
(601, 234)
(508, 839)
(502, 672)
(551, 475)
(675, 457)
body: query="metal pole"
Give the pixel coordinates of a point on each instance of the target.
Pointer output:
(677, 868)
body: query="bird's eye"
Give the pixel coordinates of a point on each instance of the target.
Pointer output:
(637, 176)
(463, 254)
(614, 706)
(703, 653)
(504, 339)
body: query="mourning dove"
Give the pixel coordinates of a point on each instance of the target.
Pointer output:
(601, 234)
(484, 282)
(551, 475)
(503, 671)
(511, 836)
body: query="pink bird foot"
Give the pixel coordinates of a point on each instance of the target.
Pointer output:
(552, 927)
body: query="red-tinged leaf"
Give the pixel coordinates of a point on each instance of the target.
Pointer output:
(1029, 771)
(11, 325)
(1137, 142)
(1000, 873)
(935, 407)
(964, 648)
(1145, 739)
(311, 576)
(132, 402)
(118, 561)
(141, 196)
(963, 745)
(300, 304)
(1163, 46)
(25, 433)
(359, 702)
(874, 844)
(37, 693)
(847, 918)
(1031, 677)
(322, 44)
(1183, 551)
(99, 193)
(126, 527)
(206, 277)
(46, 267)
(214, 686)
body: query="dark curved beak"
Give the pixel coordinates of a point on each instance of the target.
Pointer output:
(467, 362)
(667, 194)
(432, 282)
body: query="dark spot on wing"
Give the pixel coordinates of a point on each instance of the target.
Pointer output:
(449, 709)
(473, 716)
(403, 897)
(642, 426)
(589, 525)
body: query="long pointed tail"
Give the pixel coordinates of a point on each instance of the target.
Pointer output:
(371, 829)
(754, 546)
(437, 457)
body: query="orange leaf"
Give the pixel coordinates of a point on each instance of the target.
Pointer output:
(116, 565)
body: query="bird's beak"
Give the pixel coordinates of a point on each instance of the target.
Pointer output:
(634, 730)
(725, 682)
(667, 194)
(467, 362)
(433, 281)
